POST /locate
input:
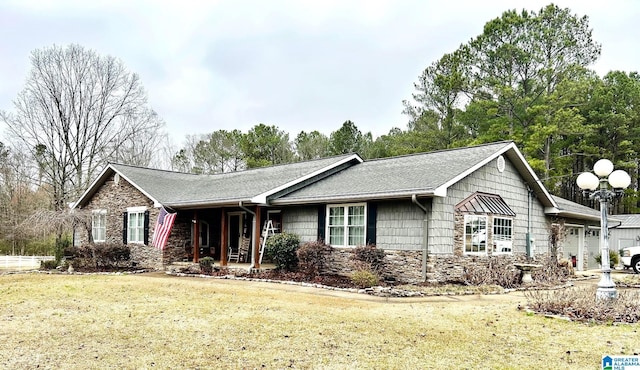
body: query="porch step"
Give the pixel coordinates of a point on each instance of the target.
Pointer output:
(182, 267)
(194, 268)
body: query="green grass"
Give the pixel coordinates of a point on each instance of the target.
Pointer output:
(156, 321)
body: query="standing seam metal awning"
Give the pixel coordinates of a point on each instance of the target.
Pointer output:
(485, 203)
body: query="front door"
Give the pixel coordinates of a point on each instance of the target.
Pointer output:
(203, 240)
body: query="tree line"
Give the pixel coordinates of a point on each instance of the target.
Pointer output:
(526, 77)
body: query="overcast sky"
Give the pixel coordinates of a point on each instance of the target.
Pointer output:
(299, 65)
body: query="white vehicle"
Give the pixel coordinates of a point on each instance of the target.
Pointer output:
(479, 238)
(631, 258)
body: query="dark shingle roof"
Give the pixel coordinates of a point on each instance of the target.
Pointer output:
(172, 188)
(324, 180)
(567, 208)
(421, 174)
(176, 189)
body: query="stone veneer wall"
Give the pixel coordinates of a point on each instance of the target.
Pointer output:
(115, 198)
(448, 268)
(406, 266)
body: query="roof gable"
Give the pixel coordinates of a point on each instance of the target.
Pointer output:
(340, 178)
(424, 174)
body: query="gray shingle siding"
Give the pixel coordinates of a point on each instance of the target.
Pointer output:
(399, 226)
(302, 221)
(510, 186)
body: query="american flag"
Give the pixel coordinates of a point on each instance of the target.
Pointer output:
(163, 228)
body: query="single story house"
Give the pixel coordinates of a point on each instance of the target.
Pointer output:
(433, 213)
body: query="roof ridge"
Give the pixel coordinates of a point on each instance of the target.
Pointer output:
(441, 150)
(151, 168)
(239, 171)
(288, 164)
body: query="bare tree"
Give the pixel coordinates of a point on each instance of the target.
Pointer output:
(142, 141)
(77, 110)
(17, 198)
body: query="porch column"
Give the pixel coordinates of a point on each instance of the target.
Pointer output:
(223, 239)
(196, 237)
(256, 243)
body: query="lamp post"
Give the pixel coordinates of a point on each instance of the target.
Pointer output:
(597, 187)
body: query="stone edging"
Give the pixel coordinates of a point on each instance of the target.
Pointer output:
(378, 291)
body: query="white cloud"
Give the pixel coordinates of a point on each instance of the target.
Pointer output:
(308, 65)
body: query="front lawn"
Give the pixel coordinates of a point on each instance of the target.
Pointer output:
(158, 321)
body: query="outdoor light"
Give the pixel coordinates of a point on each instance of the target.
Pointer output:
(618, 180)
(587, 181)
(603, 167)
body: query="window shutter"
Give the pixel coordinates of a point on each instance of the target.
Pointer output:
(322, 220)
(146, 228)
(372, 211)
(124, 227)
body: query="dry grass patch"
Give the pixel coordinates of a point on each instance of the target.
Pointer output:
(157, 321)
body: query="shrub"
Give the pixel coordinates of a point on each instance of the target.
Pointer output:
(206, 265)
(497, 271)
(111, 255)
(99, 256)
(48, 265)
(369, 254)
(364, 276)
(60, 246)
(281, 249)
(614, 258)
(553, 273)
(312, 257)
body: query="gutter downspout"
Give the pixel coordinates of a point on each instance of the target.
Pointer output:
(253, 234)
(528, 234)
(425, 232)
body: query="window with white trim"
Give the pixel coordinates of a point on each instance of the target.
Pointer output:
(135, 225)
(99, 225)
(346, 225)
(475, 234)
(502, 235)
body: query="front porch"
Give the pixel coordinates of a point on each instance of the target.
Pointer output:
(233, 236)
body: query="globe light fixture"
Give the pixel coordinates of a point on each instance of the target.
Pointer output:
(604, 186)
